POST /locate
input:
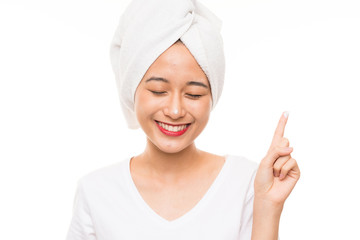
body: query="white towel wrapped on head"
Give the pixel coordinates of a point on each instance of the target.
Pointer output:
(147, 28)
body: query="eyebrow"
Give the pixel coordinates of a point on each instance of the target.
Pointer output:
(197, 84)
(191, 83)
(157, 79)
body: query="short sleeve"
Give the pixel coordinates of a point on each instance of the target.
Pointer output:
(81, 226)
(247, 214)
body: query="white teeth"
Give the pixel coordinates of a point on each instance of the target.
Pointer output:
(172, 128)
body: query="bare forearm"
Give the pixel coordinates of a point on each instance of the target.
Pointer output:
(266, 218)
(276, 177)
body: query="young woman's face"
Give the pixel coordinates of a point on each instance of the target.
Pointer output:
(173, 100)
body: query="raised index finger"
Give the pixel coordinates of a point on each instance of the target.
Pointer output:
(280, 129)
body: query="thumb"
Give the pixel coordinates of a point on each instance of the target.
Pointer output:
(273, 154)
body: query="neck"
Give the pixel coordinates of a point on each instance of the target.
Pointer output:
(170, 165)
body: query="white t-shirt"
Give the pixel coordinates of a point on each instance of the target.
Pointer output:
(108, 206)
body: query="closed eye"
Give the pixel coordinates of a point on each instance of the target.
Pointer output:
(194, 95)
(157, 93)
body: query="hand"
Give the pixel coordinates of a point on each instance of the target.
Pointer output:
(278, 172)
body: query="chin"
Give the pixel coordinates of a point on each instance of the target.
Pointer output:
(171, 147)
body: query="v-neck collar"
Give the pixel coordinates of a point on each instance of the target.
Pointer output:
(188, 215)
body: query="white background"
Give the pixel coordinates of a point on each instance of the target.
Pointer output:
(60, 116)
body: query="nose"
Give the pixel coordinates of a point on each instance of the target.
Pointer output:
(174, 107)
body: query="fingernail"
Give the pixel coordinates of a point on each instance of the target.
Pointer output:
(286, 114)
(281, 176)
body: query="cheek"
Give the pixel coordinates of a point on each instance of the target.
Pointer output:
(145, 105)
(201, 110)
(140, 104)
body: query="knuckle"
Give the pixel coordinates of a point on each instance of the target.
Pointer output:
(285, 168)
(287, 158)
(277, 168)
(290, 165)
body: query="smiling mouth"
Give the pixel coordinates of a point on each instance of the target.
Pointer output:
(172, 130)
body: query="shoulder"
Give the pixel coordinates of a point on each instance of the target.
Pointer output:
(105, 176)
(241, 168)
(98, 189)
(242, 162)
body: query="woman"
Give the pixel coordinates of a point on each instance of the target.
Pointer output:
(169, 71)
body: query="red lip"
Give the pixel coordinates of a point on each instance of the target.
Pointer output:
(179, 124)
(173, 134)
